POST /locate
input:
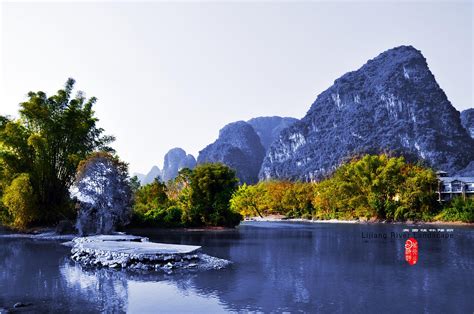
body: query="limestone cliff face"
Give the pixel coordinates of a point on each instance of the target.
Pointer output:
(175, 160)
(391, 104)
(269, 128)
(239, 147)
(467, 121)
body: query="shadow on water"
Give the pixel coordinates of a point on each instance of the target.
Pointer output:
(276, 267)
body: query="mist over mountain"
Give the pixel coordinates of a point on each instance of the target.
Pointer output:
(391, 104)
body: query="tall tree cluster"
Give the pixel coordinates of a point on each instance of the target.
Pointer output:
(40, 152)
(373, 186)
(195, 198)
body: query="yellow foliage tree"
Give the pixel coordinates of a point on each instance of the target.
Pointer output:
(19, 200)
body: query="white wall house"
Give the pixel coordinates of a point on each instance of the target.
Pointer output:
(450, 187)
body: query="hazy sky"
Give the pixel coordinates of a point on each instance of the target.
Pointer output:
(172, 74)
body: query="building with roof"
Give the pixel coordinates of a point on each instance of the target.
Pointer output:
(450, 187)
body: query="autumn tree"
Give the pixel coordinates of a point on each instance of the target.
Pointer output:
(20, 201)
(377, 186)
(250, 200)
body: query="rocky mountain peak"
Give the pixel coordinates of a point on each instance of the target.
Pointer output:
(391, 104)
(239, 147)
(175, 160)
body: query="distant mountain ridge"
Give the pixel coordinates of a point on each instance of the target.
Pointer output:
(148, 178)
(174, 160)
(391, 104)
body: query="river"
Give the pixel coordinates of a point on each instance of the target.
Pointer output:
(276, 267)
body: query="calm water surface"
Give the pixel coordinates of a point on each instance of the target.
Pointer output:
(276, 267)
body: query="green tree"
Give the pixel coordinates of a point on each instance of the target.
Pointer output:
(51, 137)
(378, 186)
(458, 209)
(134, 184)
(372, 182)
(211, 188)
(151, 196)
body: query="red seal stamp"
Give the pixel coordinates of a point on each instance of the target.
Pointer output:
(411, 251)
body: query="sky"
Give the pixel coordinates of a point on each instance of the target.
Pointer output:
(171, 74)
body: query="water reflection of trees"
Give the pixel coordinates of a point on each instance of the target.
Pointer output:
(108, 289)
(326, 269)
(40, 273)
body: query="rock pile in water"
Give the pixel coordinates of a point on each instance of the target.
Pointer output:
(137, 253)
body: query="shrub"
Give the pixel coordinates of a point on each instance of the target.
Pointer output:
(458, 209)
(19, 200)
(173, 216)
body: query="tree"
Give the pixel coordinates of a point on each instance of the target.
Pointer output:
(249, 200)
(105, 194)
(274, 197)
(151, 196)
(366, 187)
(378, 186)
(176, 186)
(458, 209)
(20, 201)
(417, 197)
(298, 200)
(49, 140)
(135, 184)
(211, 188)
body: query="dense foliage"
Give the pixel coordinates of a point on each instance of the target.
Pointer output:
(198, 197)
(20, 201)
(40, 152)
(105, 194)
(292, 199)
(374, 186)
(459, 209)
(378, 186)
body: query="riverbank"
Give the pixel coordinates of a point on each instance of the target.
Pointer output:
(49, 233)
(276, 218)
